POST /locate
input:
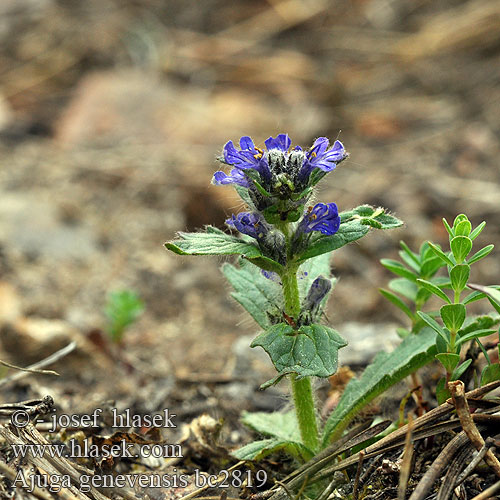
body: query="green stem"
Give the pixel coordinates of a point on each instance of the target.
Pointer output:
(291, 292)
(305, 411)
(301, 389)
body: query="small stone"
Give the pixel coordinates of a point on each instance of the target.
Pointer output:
(10, 303)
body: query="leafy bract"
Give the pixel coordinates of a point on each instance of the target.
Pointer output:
(257, 294)
(215, 242)
(415, 351)
(354, 225)
(312, 350)
(310, 270)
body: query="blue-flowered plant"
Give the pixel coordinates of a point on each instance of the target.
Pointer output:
(283, 236)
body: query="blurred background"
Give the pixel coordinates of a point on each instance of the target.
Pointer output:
(112, 115)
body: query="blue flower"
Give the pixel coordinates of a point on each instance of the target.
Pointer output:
(282, 142)
(247, 157)
(319, 156)
(235, 177)
(323, 218)
(249, 223)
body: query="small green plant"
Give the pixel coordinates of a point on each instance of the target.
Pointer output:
(453, 327)
(122, 309)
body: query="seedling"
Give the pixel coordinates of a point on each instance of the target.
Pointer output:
(123, 308)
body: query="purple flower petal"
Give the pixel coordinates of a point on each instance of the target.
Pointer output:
(249, 223)
(236, 177)
(323, 218)
(282, 142)
(246, 143)
(248, 157)
(321, 157)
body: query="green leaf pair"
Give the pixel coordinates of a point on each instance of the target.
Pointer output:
(354, 225)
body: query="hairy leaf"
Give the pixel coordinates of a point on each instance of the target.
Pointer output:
(310, 351)
(279, 425)
(387, 369)
(253, 290)
(215, 242)
(260, 449)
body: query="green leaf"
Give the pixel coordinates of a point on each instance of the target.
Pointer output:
(397, 302)
(243, 194)
(397, 268)
(216, 242)
(448, 360)
(453, 316)
(463, 228)
(409, 261)
(474, 335)
(354, 225)
(347, 233)
(477, 231)
(458, 219)
(495, 304)
(481, 254)
(460, 247)
(387, 369)
(257, 450)
(433, 289)
(412, 255)
(405, 288)
(441, 254)
(460, 370)
(253, 291)
(490, 374)
(479, 323)
(430, 266)
(448, 228)
(442, 392)
(311, 351)
(279, 425)
(434, 325)
(442, 344)
(490, 291)
(459, 275)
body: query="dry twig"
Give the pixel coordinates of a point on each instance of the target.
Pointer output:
(35, 368)
(457, 390)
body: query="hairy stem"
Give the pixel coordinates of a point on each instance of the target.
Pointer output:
(305, 411)
(301, 389)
